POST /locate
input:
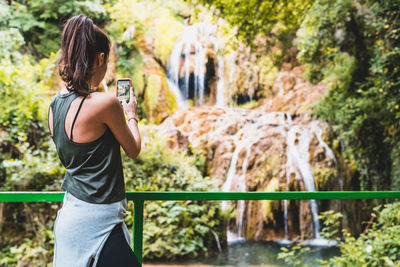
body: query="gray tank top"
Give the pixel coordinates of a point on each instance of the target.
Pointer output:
(93, 171)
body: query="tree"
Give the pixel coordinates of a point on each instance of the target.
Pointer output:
(278, 21)
(353, 46)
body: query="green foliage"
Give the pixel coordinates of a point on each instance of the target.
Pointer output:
(173, 229)
(11, 42)
(19, 114)
(33, 245)
(294, 256)
(271, 23)
(332, 225)
(136, 22)
(144, 31)
(260, 17)
(28, 159)
(379, 246)
(38, 170)
(353, 46)
(40, 21)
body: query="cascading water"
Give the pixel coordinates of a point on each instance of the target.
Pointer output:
(318, 133)
(186, 79)
(245, 138)
(298, 139)
(221, 83)
(189, 58)
(285, 202)
(175, 90)
(232, 70)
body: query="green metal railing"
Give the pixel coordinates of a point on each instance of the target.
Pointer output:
(139, 198)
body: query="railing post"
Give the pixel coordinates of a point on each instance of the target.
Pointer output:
(138, 228)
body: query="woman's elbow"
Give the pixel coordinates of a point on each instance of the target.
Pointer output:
(134, 153)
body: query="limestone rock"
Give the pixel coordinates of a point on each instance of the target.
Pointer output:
(292, 93)
(250, 150)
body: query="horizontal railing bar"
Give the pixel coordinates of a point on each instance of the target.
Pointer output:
(31, 196)
(145, 196)
(261, 195)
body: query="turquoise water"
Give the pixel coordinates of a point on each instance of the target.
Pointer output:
(248, 254)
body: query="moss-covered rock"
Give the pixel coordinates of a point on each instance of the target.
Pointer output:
(159, 101)
(325, 178)
(268, 206)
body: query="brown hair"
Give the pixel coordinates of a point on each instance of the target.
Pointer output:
(80, 42)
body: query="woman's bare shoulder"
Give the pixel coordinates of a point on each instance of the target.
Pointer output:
(104, 100)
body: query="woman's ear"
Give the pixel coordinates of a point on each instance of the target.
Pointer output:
(100, 59)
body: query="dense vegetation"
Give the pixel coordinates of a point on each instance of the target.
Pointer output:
(352, 46)
(30, 33)
(276, 22)
(377, 246)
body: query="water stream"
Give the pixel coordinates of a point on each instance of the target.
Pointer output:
(188, 60)
(186, 79)
(298, 139)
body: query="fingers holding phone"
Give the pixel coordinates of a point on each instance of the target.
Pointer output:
(126, 96)
(130, 107)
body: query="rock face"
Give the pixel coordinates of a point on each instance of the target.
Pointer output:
(292, 93)
(251, 150)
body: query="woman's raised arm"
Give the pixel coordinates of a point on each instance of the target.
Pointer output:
(127, 134)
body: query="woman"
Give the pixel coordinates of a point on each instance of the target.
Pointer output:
(88, 129)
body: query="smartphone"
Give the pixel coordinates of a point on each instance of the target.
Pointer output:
(123, 86)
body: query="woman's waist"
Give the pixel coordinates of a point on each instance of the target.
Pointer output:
(73, 203)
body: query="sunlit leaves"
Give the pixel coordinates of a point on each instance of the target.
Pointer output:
(353, 47)
(270, 18)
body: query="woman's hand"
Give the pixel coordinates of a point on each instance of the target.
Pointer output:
(130, 108)
(126, 133)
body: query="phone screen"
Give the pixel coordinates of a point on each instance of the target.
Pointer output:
(123, 87)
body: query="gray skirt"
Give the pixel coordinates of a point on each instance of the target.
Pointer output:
(81, 229)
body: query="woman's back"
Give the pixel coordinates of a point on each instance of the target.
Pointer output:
(93, 167)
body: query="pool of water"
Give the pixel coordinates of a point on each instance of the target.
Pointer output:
(246, 254)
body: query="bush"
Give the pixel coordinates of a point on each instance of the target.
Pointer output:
(173, 229)
(378, 246)
(353, 46)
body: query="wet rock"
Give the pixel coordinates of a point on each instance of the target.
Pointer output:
(251, 150)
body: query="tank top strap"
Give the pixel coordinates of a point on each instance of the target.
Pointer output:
(59, 107)
(76, 115)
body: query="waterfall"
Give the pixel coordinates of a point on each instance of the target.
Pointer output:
(240, 187)
(231, 81)
(285, 202)
(318, 133)
(221, 83)
(245, 138)
(175, 90)
(298, 140)
(188, 58)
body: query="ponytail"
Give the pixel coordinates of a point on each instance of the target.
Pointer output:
(80, 42)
